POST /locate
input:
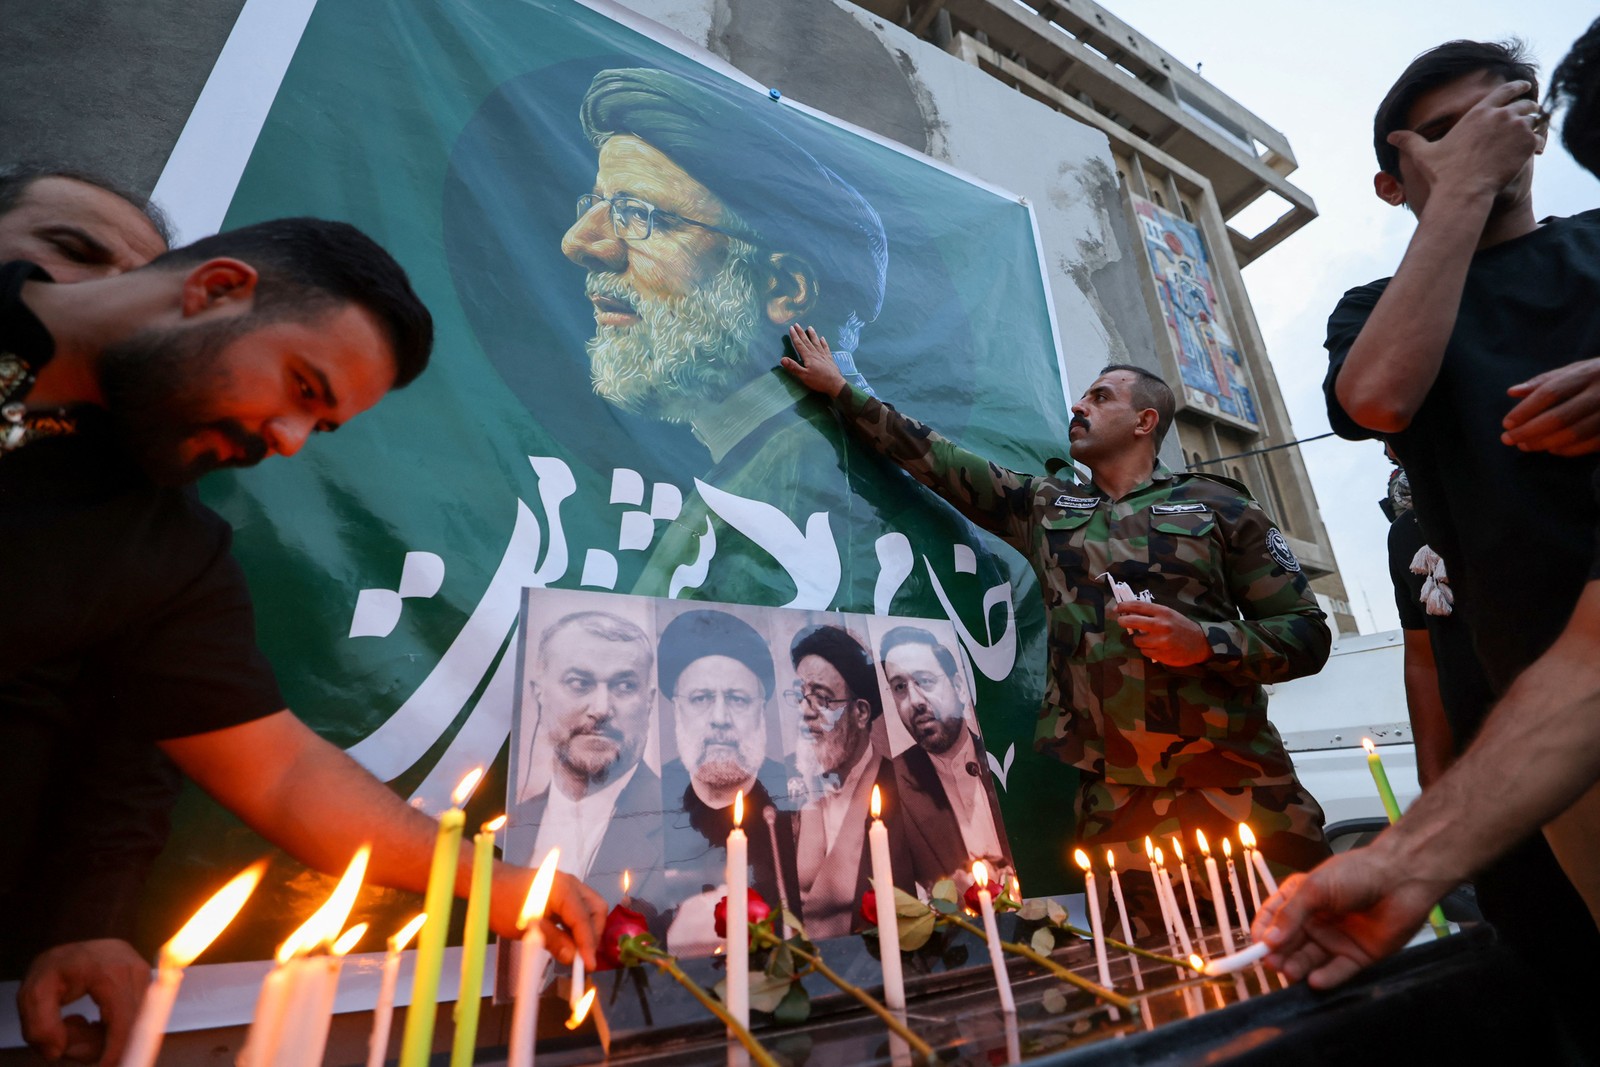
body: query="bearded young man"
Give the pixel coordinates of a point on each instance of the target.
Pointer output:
(117, 392)
(1157, 702)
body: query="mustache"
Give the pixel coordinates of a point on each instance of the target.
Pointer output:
(1078, 420)
(611, 287)
(252, 445)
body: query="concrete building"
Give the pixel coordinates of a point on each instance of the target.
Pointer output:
(1190, 160)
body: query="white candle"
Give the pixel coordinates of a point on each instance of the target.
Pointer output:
(738, 940)
(383, 1014)
(997, 960)
(1122, 914)
(1233, 882)
(1103, 968)
(1167, 922)
(1172, 903)
(894, 987)
(530, 968)
(193, 938)
(266, 1026)
(1188, 887)
(1247, 837)
(575, 994)
(1218, 901)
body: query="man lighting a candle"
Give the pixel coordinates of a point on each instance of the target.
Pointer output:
(1159, 705)
(118, 392)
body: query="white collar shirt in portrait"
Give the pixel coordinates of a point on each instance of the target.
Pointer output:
(578, 826)
(968, 797)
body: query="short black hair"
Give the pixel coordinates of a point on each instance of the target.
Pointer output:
(16, 178)
(916, 635)
(307, 264)
(1508, 59)
(840, 648)
(1150, 390)
(1575, 84)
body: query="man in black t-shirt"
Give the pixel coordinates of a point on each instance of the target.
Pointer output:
(1475, 361)
(126, 613)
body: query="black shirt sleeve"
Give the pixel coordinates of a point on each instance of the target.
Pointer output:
(1344, 326)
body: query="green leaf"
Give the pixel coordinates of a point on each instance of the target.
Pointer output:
(1054, 1001)
(780, 964)
(945, 889)
(793, 922)
(1055, 911)
(795, 1007)
(945, 907)
(914, 932)
(1043, 941)
(766, 992)
(1032, 910)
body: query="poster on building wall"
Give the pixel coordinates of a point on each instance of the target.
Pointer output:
(639, 723)
(613, 234)
(1214, 376)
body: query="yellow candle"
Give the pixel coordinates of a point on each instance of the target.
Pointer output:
(1392, 806)
(474, 938)
(417, 1042)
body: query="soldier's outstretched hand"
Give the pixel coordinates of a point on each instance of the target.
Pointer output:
(816, 369)
(1350, 911)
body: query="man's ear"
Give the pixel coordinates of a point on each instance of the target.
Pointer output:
(791, 288)
(1389, 189)
(1146, 421)
(219, 283)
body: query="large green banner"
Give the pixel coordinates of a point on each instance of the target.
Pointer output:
(613, 236)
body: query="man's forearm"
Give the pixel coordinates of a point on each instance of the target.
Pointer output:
(1396, 359)
(1537, 753)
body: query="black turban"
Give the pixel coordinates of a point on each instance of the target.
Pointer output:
(698, 634)
(845, 654)
(793, 202)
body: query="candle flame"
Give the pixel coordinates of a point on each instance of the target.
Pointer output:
(1227, 848)
(214, 915)
(980, 874)
(494, 824)
(349, 939)
(581, 1009)
(738, 808)
(1177, 847)
(326, 922)
(1205, 849)
(1016, 889)
(1160, 857)
(399, 941)
(627, 880)
(1081, 857)
(1247, 836)
(1149, 848)
(1197, 963)
(877, 802)
(539, 890)
(1366, 743)
(465, 787)
(1111, 859)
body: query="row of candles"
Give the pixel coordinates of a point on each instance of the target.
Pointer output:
(294, 1010)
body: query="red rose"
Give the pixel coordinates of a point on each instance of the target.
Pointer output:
(970, 899)
(869, 908)
(755, 906)
(621, 923)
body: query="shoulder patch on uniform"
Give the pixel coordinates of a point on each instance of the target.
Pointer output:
(1177, 509)
(1282, 554)
(1083, 503)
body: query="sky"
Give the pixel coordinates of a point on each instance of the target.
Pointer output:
(1316, 73)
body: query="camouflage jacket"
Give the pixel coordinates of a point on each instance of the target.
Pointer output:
(1200, 545)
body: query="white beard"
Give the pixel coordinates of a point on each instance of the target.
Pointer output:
(686, 348)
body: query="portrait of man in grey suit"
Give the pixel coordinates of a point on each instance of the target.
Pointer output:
(950, 814)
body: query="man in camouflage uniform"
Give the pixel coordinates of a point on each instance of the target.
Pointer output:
(1158, 703)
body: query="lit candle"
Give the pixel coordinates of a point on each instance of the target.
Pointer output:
(474, 938)
(300, 1033)
(1218, 901)
(1233, 882)
(627, 883)
(1259, 860)
(1386, 794)
(737, 945)
(322, 989)
(417, 1043)
(1122, 914)
(144, 1042)
(1188, 887)
(894, 988)
(383, 1014)
(1104, 969)
(1164, 884)
(991, 932)
(1247, 840)
(580, 1008)
(1167, 922)
(530, 968)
